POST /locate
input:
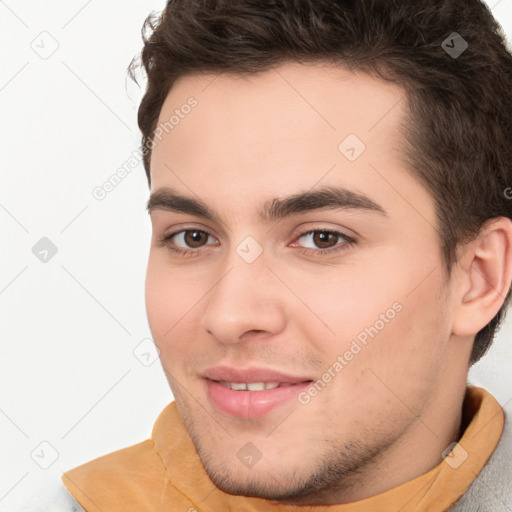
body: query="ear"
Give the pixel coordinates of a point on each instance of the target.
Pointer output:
(484, 277)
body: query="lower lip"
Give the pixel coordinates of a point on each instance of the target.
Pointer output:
(251, 404)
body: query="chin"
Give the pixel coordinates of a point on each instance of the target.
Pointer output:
(263, 485)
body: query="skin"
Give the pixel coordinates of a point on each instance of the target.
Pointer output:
(392, 410)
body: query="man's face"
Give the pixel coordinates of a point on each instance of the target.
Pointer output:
(348, 303)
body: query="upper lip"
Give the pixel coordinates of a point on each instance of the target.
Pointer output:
(250, 374)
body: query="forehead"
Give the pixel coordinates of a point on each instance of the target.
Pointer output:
(279, 131)
(296, 101)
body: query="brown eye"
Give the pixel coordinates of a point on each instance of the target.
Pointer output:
(195, 238)
(321, 239)
(324, 242)
(325, 239)
(187, 241)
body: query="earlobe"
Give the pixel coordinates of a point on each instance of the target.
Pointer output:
(487, 276)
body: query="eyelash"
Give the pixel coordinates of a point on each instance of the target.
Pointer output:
(347, 244)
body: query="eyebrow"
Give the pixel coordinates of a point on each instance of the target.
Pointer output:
(326, 198)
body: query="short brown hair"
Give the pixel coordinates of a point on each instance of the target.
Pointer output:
(458, 139)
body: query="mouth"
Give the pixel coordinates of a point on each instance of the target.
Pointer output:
(251, 392)
(253, 386)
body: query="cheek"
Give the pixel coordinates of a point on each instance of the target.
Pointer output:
(175, 299)
(380, 315)
(403, 358)
(340, 304)
(167, 301)
(158, 298)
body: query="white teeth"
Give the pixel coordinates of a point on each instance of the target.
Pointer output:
(255, 386)
(250, 386)
(237, 386)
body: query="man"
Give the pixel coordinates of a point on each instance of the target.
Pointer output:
(332, 250)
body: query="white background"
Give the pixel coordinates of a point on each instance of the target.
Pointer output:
(69, 375)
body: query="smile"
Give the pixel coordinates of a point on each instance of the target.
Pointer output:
(253, 386)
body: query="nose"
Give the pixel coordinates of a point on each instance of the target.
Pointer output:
(247, 299)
